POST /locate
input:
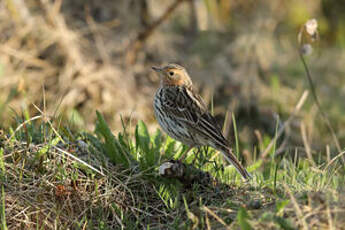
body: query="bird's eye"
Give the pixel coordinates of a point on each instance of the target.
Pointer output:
(171, 73)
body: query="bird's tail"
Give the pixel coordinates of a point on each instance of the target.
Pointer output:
(230, 157)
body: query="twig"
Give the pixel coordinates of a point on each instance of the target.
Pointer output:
(46, 119)
(298, 210)
(329, 217)
(21, 125)
(316, 99)
(214, 215)
(77, 159)
(341, 154)
(100, 44)
(306, 144)
(137, 44)
(286, 123)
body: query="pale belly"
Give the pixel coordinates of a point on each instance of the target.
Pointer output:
(173, 128)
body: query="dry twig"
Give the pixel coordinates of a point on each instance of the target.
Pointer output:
(139, 41)
(286, 123)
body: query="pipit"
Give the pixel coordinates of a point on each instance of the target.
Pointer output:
(183, 115)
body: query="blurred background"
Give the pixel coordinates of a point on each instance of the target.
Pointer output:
(72, 58)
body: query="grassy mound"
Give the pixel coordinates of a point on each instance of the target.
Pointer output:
(55, 178)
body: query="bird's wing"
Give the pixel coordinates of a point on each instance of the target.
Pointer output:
(188, 107)
(184, 105)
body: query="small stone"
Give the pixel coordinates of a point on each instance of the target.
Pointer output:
(164, 167)
(254, 204)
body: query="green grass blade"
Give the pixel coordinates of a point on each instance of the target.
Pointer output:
(2, 204)
(142, 137)
(111, 146)
(242, 218)
(236, 135)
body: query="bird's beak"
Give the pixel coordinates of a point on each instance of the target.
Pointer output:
(157, 69)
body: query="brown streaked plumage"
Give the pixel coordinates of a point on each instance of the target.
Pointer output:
(183, 115)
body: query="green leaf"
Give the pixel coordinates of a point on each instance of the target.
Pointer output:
(284, 223)
(123, 143)
(110, 146)
(157, 140)
(55, 141)
(148, 156)
(256, 165)
(280, 205)
(242, 218)
(46, 147)
(42, 151)
(142, 137)
(169, 150)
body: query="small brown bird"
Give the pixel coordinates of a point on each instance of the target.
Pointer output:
(183, 115)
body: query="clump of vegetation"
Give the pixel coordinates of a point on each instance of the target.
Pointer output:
(52, 177)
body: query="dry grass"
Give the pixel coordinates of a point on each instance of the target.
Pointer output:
(55, 192)
(46, 189)
(42, 51)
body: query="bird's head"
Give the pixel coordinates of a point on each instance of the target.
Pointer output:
(173, 75)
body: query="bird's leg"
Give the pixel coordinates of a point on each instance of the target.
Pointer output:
(196, 155)
(183, 156)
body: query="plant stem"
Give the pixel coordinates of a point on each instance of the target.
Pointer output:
(317, 102)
